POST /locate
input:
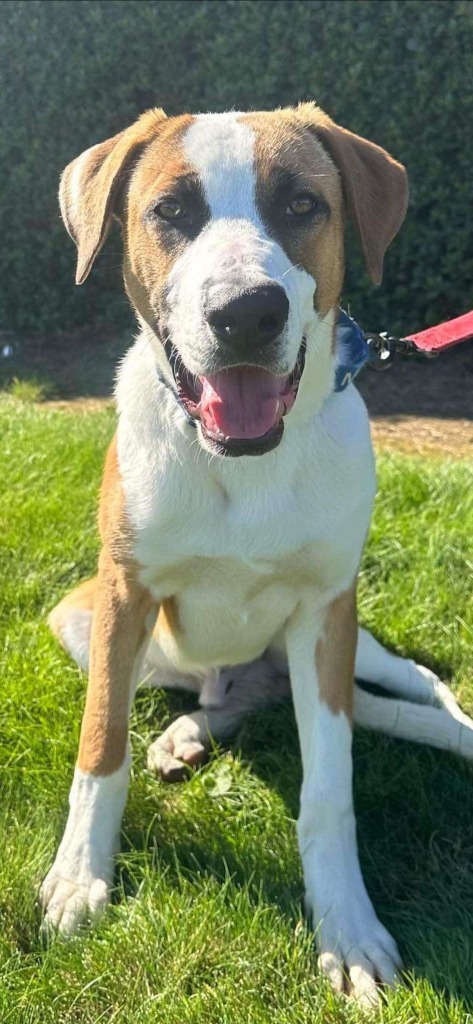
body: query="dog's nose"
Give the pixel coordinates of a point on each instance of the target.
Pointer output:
(252, 319)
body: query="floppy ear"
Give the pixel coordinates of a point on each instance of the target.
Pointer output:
(374, 185)
(90, 187)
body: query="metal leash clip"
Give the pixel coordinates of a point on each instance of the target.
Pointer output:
(383, 347)
(381, 350)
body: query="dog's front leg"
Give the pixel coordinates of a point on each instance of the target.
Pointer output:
(79, 881)
(355, 949)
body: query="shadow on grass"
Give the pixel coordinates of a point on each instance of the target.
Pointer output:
(414, 811)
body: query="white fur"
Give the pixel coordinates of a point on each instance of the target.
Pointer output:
(437, 726)
(250, 517)
(349, 936)
(402, 676)
(80, 879)
(75, 636)
(221, 149)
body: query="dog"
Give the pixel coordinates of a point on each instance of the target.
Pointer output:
(238, 490)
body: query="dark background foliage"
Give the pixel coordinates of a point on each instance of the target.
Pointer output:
(75, 72)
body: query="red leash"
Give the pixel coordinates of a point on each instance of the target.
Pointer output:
(434, 339)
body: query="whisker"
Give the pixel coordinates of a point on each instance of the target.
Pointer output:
(305, 174)
(294, 267)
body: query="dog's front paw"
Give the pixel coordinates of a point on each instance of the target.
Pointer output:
(76, 889)
(359, 965)
(69, 897)
(356, 952)
(79, 882)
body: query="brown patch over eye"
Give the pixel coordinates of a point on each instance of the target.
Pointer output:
(152, 244)
(299, 197)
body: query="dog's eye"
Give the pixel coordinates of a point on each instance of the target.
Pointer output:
(170, 209)
(301, 205)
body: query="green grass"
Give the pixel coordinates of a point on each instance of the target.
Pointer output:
(207, 923)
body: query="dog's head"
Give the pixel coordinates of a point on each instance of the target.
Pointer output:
(233, 252)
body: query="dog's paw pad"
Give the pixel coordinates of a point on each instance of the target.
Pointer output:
(180, 748)
(171, 768)
(166, 766)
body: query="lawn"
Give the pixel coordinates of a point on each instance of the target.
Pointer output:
(207, 923)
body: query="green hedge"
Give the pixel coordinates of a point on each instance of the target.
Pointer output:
(75, 72)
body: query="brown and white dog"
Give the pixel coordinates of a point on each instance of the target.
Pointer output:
(238, 490)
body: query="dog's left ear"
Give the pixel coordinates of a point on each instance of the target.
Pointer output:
(374, 184)
(90, 187)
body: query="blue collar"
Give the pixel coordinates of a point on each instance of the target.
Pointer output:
(352, 351)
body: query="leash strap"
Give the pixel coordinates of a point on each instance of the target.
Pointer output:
(451, 332)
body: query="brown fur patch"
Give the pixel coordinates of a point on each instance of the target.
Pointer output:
(91, 185)
(121, 606)
(114, 526)
(149, 258)
(118, 633)
(335, 654)
(284, 143)
(375, 185)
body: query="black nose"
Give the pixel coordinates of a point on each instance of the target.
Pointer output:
(252, 319)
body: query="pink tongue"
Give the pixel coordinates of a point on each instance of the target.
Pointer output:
(241, 402)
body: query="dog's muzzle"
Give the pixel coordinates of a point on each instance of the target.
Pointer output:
(240, 404)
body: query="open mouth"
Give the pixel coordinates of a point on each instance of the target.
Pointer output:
(240, 409)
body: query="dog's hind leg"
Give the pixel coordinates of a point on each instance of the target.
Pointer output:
(402, 676)
(71, 621)
(226, 699)
(427, 711)
(225, 695)
(420, 723)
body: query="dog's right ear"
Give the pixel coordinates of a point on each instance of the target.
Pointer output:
(90, 187)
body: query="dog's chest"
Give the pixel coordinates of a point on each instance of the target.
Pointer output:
(224, 610)
(229, 571)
